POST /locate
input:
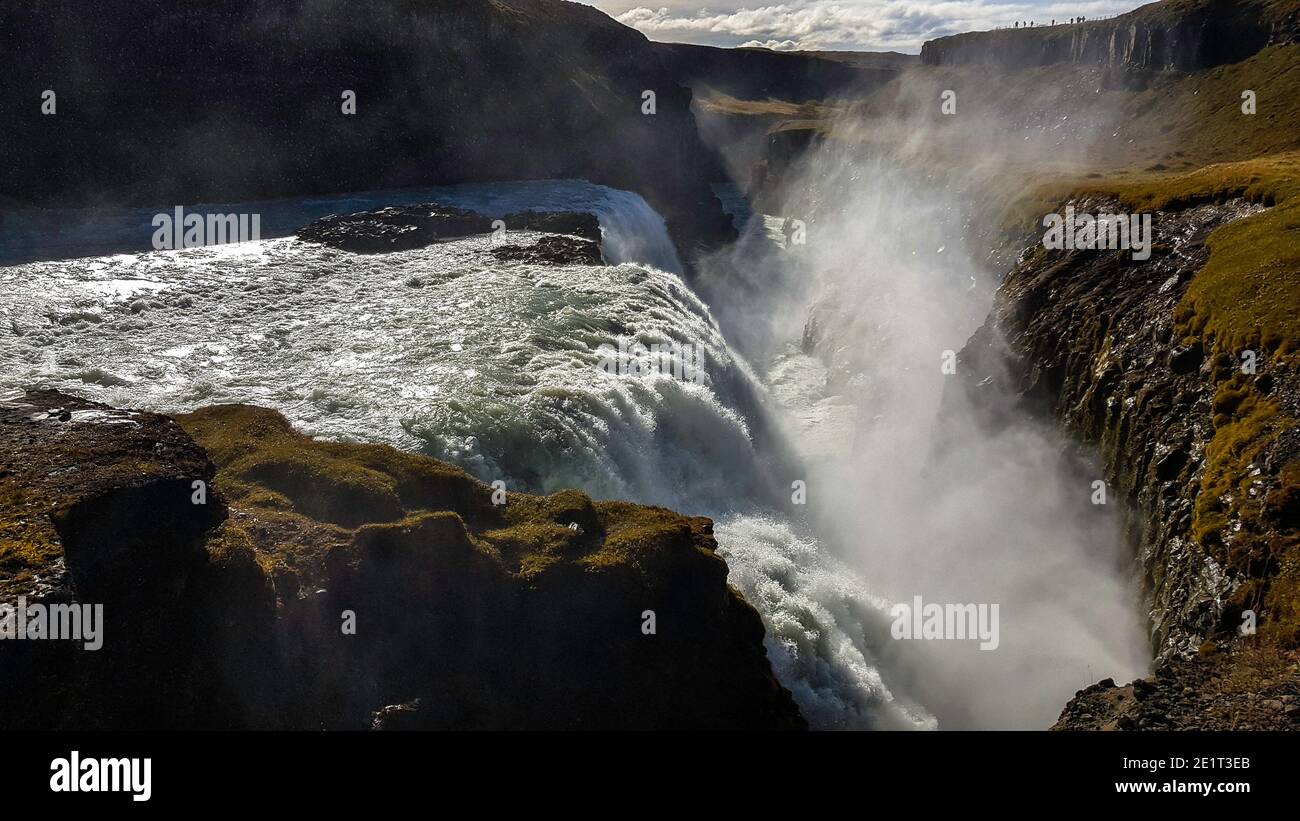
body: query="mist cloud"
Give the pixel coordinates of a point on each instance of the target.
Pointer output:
(911, 492)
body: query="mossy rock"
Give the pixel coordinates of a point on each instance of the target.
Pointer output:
(522, 614)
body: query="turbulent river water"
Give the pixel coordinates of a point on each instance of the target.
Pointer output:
(492, 365)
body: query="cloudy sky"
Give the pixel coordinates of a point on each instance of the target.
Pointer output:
(872, 25)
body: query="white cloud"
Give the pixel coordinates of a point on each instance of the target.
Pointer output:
(774, 45)
(849, 24)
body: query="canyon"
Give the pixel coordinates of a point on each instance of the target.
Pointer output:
(329, 498)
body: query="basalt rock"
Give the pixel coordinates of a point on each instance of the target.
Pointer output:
(553, 250)
(1214, 691)
(1088, 337)
(321, 585)
(406, 227)
(98, 507)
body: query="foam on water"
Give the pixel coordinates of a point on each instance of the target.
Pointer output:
(443, 349)
(492, 365)
(824, 628)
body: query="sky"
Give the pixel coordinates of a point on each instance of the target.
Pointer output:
(838, 25)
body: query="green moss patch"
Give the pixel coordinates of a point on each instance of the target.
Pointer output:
(297, 499)
(28, 540)
(1247, 297)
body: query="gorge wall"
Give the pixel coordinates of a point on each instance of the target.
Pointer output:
(1174, 35)
(158, 103)
(1199, 447)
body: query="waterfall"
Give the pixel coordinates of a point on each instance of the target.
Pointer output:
(526, 374)
(446, 350)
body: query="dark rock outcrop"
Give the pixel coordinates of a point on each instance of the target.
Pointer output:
(1215, 692)
(237, 100)
(468, 611)
(573, 237)
(97, 507)
(553, 249)
(1175, 35)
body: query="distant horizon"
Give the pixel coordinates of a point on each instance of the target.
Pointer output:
(838, 25)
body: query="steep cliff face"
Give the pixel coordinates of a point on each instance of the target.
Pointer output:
(97, 508)
(158, 103)
(321, 585)
(1088, 336)
(1197, 439)
(1174, 35)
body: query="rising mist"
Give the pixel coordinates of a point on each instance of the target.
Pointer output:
(909, 484)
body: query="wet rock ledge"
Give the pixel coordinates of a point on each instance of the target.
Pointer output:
(227, 603)
(571, 238)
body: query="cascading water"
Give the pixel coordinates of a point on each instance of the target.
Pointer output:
(444, 349)
(856, 333)
(496, 366)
